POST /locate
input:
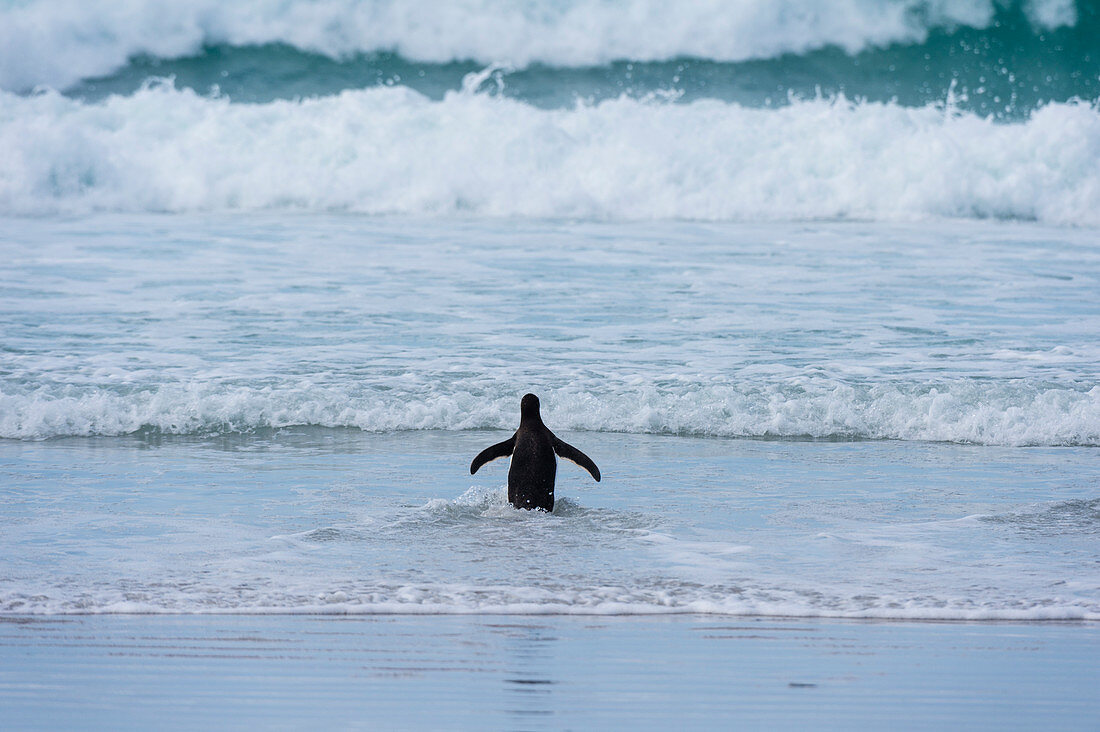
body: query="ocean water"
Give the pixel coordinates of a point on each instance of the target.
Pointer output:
(814, 284)
(276, 413)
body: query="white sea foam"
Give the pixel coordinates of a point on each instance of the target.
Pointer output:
(957, 411)
(442, 599)
(58, 43)
(392, 151)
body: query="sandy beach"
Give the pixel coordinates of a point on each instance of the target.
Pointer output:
(552, 672)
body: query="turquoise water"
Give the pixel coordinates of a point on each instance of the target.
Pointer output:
(1008, 70)
(1000, 58)
(864, 109)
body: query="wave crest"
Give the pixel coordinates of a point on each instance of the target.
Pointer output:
(959, 411)
(393, 151)
(58, 43)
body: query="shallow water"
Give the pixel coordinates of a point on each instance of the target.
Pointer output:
(245, 388)
(314, 520)
(947, 331)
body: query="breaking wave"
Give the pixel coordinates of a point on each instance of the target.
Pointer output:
(394, 151)
(959, 411)
(59, 43)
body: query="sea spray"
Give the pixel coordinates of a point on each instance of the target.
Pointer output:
(393, 151)
(59, 43)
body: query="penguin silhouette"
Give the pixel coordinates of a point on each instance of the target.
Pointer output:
(532, 447)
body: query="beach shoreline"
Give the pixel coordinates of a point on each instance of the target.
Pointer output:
(543, 672)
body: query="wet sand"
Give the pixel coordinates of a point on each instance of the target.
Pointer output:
(543, 672)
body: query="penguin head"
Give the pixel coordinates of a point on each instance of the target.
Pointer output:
(529, 407)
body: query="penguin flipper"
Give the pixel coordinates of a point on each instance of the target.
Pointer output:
(493, 452)
(573, 455)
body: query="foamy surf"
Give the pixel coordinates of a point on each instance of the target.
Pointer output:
(709, 330)
(961, 411)
(393, 151)
(595, 601)
(58, 43)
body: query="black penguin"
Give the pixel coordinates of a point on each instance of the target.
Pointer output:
(532, 447)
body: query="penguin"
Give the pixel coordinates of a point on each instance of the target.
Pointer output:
(532, 447)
